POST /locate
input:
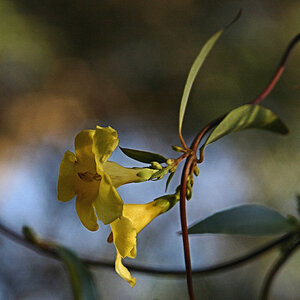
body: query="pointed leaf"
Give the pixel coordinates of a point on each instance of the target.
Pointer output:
(193, 73)
(244, 117)
(169, 180)
(160, 173)
(81, 278)
(252, 219)
(196, 67)
(143, 156)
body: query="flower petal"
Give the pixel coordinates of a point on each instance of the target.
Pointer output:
(65, 183)
(87, 193)
(86, 214)
(109, 205)
(141, 214)
(132, 253)
(84, 151)
(120, 175)
(124, 236)
(123, 271)
(105, 142)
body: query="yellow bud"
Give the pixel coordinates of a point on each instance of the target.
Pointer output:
(156, 165)
(189, 193)
(190, 181)
(170, 162)
(196, 170)
(177, 149)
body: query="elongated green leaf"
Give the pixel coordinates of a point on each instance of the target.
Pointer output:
(160, 173)
(193, 73)
(253, 220)
(143, 156)
(247, 116)
(196, 67)
(169, 180)
(81, 278)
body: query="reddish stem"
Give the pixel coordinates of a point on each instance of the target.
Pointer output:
(192, 158)
(184, 229)
(183, 143)
(278, 72)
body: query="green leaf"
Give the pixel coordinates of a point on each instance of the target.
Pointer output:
(193, 73)
(252, 219)
(244, 117)
(169, 180)
(81, 278)
(143, 156)
(196, 67)
(160, 173)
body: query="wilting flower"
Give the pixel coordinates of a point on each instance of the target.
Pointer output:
(94, 180)
(124, 230)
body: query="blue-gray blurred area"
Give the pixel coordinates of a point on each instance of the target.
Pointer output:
(70, 65)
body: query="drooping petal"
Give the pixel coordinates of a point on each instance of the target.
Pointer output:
(84, 151)
(124, 236)
(123, 271)
(86, 214)
(105, 142)
(65, 183)
(120, 175)
(109, 205)
(124, 231)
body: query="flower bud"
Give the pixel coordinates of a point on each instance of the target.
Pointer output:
(189, 193)
(156, 165)
(170, 162)
(196, 170)
(190, 181)
(177, 149)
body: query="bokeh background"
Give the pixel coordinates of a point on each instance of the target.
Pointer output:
(71, 65)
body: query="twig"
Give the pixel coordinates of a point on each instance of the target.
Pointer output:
(152, 270)
(278, 72)
(275, 268)
(237, 262)
(183, 143)
(49, 251)
(184, 229)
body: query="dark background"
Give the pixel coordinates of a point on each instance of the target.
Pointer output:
(70, 65)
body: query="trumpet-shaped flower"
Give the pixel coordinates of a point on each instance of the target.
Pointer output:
(124, 231)
(88, 175)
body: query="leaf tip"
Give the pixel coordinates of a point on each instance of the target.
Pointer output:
(235, 19)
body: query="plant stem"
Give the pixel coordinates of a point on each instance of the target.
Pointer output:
(278, 72)
(275, 268)
(192, 157)
(152, 270)
(183, 220)
(183, 143)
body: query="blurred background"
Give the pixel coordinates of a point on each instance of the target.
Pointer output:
(69, 65)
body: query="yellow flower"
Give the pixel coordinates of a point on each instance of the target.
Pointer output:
(94, 180)
(124, 231)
